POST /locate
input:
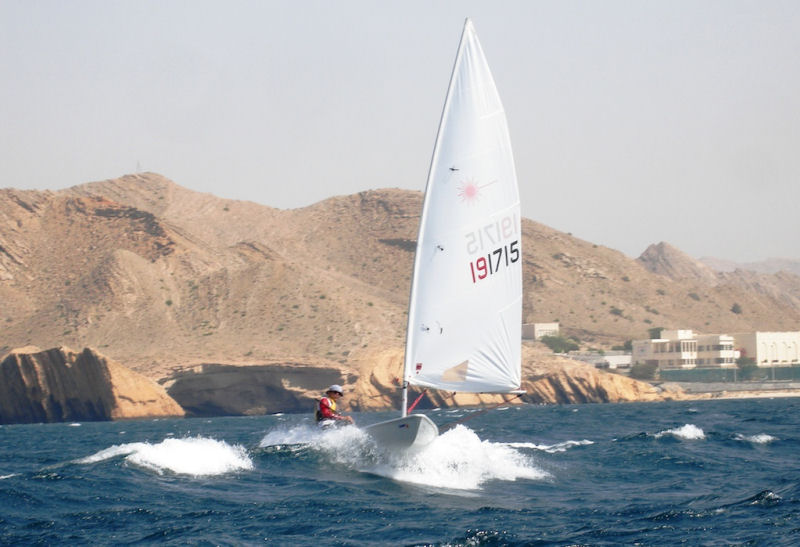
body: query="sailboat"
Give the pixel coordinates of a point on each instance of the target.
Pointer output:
(465, 307)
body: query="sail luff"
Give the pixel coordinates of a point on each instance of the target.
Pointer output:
(408, 357)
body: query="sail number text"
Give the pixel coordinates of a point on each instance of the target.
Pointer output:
(492, 243)
(485, 266)
(492, 234)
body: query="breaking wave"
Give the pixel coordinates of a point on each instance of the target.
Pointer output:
(196, 456)
(688, 432)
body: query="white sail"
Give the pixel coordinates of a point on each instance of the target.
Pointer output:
(465, 312)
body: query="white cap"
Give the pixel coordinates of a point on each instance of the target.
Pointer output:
(337, 388)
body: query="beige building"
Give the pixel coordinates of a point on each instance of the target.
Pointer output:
(682, 349)
(716, 350)
(534, 331)
(770, 348)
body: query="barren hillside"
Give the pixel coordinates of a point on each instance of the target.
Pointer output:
(162, 278)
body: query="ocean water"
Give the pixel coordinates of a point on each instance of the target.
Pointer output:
(724, 472)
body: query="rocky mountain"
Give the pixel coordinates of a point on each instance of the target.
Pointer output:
(193, 290)
(664, 259)
(764, 289)
(769, 266)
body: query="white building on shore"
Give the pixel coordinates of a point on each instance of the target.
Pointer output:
(770, 349)
(683, 349)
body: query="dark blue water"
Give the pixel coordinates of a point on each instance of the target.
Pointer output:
(695, 473)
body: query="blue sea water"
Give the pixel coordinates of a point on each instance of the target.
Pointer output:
(722, 472)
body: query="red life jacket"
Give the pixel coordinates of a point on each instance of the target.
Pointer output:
(331, 404)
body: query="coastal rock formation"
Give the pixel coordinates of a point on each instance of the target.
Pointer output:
(588, 385)
(230, 390)
(546, 379)
(59, 384)
(236, 390)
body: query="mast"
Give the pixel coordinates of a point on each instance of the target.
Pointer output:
(407, 365)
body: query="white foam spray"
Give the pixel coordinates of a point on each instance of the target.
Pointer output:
(459, 460)
(761, 438)
(197, 456)
(345, 445)
(456, 460)
(552, 448)
(688, 432)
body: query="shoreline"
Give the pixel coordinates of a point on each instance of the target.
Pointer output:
(737, 390)
(745, 394)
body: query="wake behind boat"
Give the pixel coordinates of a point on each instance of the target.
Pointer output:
(465, 307)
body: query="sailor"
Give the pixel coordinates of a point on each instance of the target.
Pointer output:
(326, 410)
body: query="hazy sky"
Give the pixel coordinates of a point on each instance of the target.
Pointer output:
(632, 122)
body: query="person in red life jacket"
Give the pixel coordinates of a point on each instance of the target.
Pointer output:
(326, 410)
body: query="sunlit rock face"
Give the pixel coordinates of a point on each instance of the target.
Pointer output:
(59, 384)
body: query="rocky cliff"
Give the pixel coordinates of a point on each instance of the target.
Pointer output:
(61, 385)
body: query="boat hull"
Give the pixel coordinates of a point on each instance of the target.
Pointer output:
(407, 433)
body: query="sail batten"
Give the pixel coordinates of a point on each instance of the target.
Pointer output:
(465, 307)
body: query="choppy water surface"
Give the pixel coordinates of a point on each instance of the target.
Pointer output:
(697, 473)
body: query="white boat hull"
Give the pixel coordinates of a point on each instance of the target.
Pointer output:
(408, 433)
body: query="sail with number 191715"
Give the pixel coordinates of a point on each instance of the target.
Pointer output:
(465, 306)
